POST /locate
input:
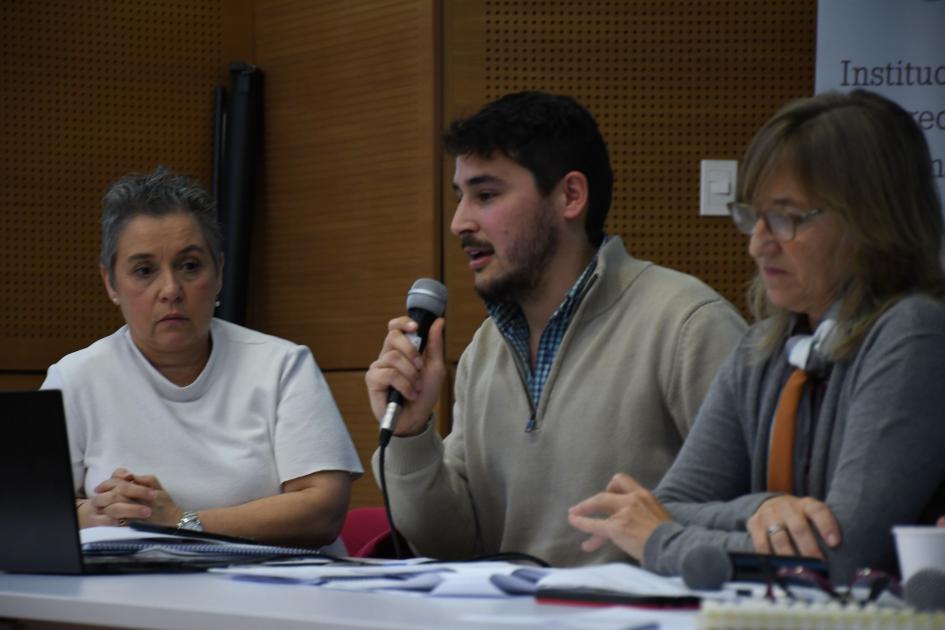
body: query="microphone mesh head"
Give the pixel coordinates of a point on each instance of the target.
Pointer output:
(925, 590)
(428, 294)
(706, 568)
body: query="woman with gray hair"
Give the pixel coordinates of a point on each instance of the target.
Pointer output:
(826, 426)
(181, 419)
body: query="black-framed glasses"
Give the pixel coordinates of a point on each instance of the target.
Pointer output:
(875, 582)
(781, 221)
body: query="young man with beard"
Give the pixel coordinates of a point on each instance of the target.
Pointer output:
(590, 361)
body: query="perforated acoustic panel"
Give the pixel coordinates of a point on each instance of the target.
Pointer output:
(670, 82)
(91, 90)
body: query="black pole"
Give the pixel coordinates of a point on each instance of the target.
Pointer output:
(238, 186)
(219, 136)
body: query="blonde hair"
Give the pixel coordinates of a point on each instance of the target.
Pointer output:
(863, 157)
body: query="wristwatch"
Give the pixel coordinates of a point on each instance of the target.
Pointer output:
(190, 520)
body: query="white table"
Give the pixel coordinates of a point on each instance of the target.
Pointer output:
(207, 601)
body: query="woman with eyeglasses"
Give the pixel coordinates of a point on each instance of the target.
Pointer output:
(826, 426)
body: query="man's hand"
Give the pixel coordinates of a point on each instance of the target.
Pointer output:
(786, 525)
(418, 378)
(626, 513)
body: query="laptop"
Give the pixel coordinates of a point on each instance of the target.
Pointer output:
(39, 529)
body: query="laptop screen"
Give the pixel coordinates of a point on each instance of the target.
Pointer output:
(38, 528)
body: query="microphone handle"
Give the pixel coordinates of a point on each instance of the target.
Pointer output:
(395, 400)
(708, 567)
(424, 319)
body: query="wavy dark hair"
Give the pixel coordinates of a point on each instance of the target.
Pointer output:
(548, 134)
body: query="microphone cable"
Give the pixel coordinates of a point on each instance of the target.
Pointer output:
(426, 300)
(394, 534)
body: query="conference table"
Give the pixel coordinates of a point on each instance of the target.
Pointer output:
(212, 601)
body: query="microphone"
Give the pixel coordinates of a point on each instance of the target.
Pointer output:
(709, 567)
(426, 300)
(925, 590)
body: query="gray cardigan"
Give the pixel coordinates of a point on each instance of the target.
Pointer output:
(877, 447)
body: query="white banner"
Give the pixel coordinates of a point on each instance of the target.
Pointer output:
(895, 48)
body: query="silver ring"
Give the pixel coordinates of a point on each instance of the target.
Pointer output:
(774, 529)
(123, 522)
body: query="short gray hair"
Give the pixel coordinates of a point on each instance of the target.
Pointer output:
(156, 194)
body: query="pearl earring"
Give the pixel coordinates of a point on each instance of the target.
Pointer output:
(115, 300)
(217, 303)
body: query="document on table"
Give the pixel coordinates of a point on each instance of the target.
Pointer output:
(618, 577)
(461, 579)
(437, 579)
(97, 534)
(319, 573)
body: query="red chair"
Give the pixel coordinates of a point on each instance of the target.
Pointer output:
(366, 534)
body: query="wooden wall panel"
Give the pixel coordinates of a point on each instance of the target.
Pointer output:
(670, 82)
(349, 392)
(350, 169)
(91, 90)
(353, 205)
(21, 381)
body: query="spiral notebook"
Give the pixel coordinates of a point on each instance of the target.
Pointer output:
(39, 530)
(143, 540)
(724, 615)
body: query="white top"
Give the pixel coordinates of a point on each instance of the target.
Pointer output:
(258, 415)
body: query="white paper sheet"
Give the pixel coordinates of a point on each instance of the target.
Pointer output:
(619, 577)
(98, 534)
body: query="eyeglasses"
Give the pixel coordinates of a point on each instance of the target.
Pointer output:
(781, 221)
(876, 582)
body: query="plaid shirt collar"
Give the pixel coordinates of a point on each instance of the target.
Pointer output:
(511, 322)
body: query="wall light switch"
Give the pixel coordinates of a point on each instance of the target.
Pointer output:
(716, 186)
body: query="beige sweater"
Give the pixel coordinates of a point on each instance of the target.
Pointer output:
(623, 391)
